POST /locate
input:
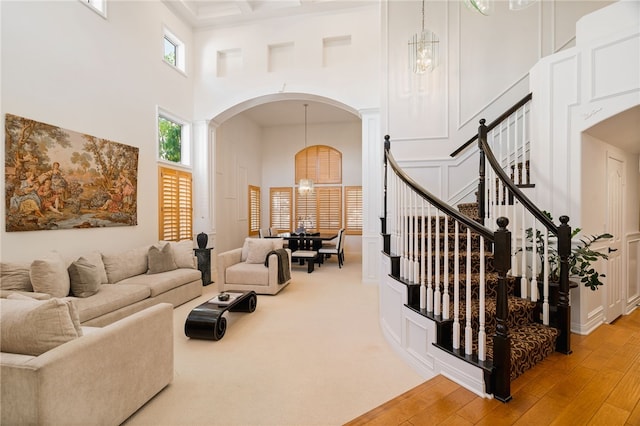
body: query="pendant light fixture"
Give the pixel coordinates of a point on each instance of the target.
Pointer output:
(423, 50)
(305, 186)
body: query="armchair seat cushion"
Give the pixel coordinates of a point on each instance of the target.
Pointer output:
(248, 273)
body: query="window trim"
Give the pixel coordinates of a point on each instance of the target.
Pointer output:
(186, 160)
(181, 51)
(91, 4)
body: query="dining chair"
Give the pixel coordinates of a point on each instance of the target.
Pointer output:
(338, 250)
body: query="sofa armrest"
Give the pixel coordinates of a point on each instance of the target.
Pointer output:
(100, 378)
(226, 259)
(273, 267)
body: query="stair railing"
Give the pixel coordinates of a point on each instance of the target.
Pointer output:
(418, 228)
(532, 232)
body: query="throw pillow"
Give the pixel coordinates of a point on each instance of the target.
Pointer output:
(278, 243)
(183, 253)
(95, 258)
(258, 249)
(50, 276)
(161, 260)
(32, 327)
(245, 249)
(15, 276)
(126, 264)
(85, 278)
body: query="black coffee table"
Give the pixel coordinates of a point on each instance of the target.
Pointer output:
(206, 321)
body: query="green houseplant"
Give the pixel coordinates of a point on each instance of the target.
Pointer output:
(580, 259)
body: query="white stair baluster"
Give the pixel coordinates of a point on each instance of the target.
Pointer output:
(456, 287)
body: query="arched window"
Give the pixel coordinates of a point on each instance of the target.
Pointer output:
(320, 163)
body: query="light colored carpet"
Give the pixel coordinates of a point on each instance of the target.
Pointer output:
(311, 355)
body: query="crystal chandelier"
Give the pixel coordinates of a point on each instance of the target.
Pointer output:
(423, 50)
(305, 186)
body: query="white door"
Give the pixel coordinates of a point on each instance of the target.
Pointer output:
(614, 283)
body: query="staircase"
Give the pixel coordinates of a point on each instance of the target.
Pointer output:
(531, 341)
(472, 272)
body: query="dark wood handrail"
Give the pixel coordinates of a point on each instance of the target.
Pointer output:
(441, 205)
(493, 124)
(506, 180)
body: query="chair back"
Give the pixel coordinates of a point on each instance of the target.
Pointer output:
(340, 245)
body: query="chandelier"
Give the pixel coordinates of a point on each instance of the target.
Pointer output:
(423, 50)
(305, 186)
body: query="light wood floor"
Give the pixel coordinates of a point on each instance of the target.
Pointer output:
(598, 384)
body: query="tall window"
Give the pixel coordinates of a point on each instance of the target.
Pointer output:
(175, 205)
(254, 210)
(280, 208)
(353, 210)
(173, 139)
(173, 50)
(320, 211)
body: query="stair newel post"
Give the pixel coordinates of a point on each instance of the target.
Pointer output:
(482, 138)
(563, 344)
(501, 341)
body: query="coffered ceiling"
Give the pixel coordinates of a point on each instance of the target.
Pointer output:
(218, 13)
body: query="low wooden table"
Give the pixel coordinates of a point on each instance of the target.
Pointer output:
(206, 321)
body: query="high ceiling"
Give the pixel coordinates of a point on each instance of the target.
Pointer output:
(218, 13)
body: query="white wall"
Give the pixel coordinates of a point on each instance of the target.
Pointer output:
(484, 65)
(65, 65)
(238, 162)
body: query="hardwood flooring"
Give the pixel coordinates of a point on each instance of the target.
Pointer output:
(598, 384)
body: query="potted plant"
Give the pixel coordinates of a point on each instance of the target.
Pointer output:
(580, 259)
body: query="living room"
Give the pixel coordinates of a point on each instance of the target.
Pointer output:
(66, 65)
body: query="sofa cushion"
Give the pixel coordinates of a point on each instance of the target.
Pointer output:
(32, 327)
(276, 243)
(183, 253)
(160, 259)
(95, 258)
(15, 276)
(85, 278)
(109, 298)
(49, 275)
(258, 250)
(247, 273)
(125, 264)
(161, 283)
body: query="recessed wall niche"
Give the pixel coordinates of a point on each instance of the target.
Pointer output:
(229, 62)
(280, 56)
(335, 50)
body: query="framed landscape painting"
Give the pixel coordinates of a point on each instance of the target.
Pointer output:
(61, 179)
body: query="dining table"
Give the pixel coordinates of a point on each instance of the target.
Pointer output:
(307, 240)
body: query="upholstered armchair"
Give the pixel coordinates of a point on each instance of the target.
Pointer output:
(255, 266)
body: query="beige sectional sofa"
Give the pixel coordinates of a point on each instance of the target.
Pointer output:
(81, 341)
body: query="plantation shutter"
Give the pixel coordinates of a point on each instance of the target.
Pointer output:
(176, 207)
(306, 211)
(254, 210)
(320, 163)
(353, 210)
(329, 202)
(329, 163)
(280, 209)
